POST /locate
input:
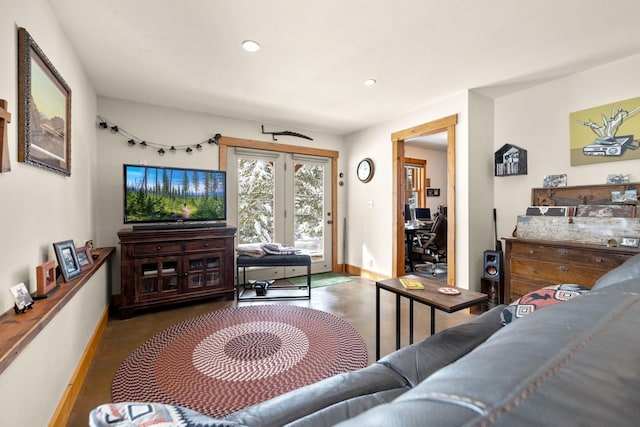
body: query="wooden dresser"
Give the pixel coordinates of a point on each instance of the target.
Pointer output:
(534, 264)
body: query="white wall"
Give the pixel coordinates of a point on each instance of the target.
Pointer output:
(537, 120)
(170, 126)
(38, 209)
(480, 179)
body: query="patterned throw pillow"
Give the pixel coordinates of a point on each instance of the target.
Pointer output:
(543, 297)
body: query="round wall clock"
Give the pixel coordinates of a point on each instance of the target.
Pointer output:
(365, 170)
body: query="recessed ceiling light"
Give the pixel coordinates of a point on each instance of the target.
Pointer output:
(250, 46)
(370, 82)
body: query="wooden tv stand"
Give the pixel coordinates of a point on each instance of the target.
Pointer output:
(169, 266)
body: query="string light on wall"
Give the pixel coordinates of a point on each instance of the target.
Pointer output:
(133, 140)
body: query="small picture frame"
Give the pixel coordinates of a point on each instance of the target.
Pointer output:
(628, 196)
(433, 192)
(22, 298)
(84, 257)
(46, 279)
(552, 181)
(618, 178)
(67, 259)
(631, 242)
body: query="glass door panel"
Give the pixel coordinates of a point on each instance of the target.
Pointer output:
(203, 272)
(311, 217)
(256, 201)
(157, 277)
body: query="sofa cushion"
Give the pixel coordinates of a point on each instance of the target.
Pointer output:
(417, 361)
(540, 298)
(341, 395)
(630, 269)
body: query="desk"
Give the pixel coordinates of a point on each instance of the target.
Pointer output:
(428, 296)
(410, 231)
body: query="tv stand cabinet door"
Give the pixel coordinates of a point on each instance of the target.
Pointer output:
(156, 278)
(203, 272)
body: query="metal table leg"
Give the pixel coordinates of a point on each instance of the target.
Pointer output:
(433, 320)
(410, 321)
(397, 321)
(377, 323)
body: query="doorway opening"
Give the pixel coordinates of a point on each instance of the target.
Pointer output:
(446, 124)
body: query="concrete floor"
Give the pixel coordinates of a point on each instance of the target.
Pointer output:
(353, 301)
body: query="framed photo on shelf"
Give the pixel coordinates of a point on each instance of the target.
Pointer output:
(631, 242)
(618, 178)
(551, 181)
(44, 110)
(67, 259)
(84, 257)
(21, 297)
(45, 278)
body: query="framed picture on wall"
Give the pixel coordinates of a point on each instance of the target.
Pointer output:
(606, 133)
(433, 192)
(44, 110)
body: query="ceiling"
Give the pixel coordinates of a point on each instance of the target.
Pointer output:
(316, 55)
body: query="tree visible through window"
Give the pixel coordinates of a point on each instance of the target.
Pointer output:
(256, 192)
(309, 207)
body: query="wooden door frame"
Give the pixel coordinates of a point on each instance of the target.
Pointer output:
(445, 124)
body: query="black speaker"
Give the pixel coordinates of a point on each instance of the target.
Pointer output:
(492, 265)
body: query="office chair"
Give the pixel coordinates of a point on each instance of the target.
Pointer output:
(432, 247)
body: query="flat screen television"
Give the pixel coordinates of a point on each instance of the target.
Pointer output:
(171, 196)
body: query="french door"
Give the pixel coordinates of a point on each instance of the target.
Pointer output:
(282, 198)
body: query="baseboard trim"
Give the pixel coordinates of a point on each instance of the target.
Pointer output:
(351, 269)
(65, 406)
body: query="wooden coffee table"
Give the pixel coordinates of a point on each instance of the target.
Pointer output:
(429, 296)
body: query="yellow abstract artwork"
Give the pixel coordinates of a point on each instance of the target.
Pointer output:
(607, 133)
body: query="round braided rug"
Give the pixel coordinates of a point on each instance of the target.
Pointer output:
(226, 360)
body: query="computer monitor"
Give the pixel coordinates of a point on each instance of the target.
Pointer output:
(423, 213)
(407, 213)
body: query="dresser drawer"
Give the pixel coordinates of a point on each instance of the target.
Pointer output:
(555, 272)
(145, 249)
(203, 245)
(598, 259)
(521, 287)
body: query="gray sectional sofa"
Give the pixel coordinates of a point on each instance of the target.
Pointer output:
(573, 363)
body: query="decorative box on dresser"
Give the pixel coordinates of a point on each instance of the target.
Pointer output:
(167, 266)
(534, 264)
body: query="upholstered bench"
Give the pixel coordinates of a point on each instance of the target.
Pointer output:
(245, 261)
